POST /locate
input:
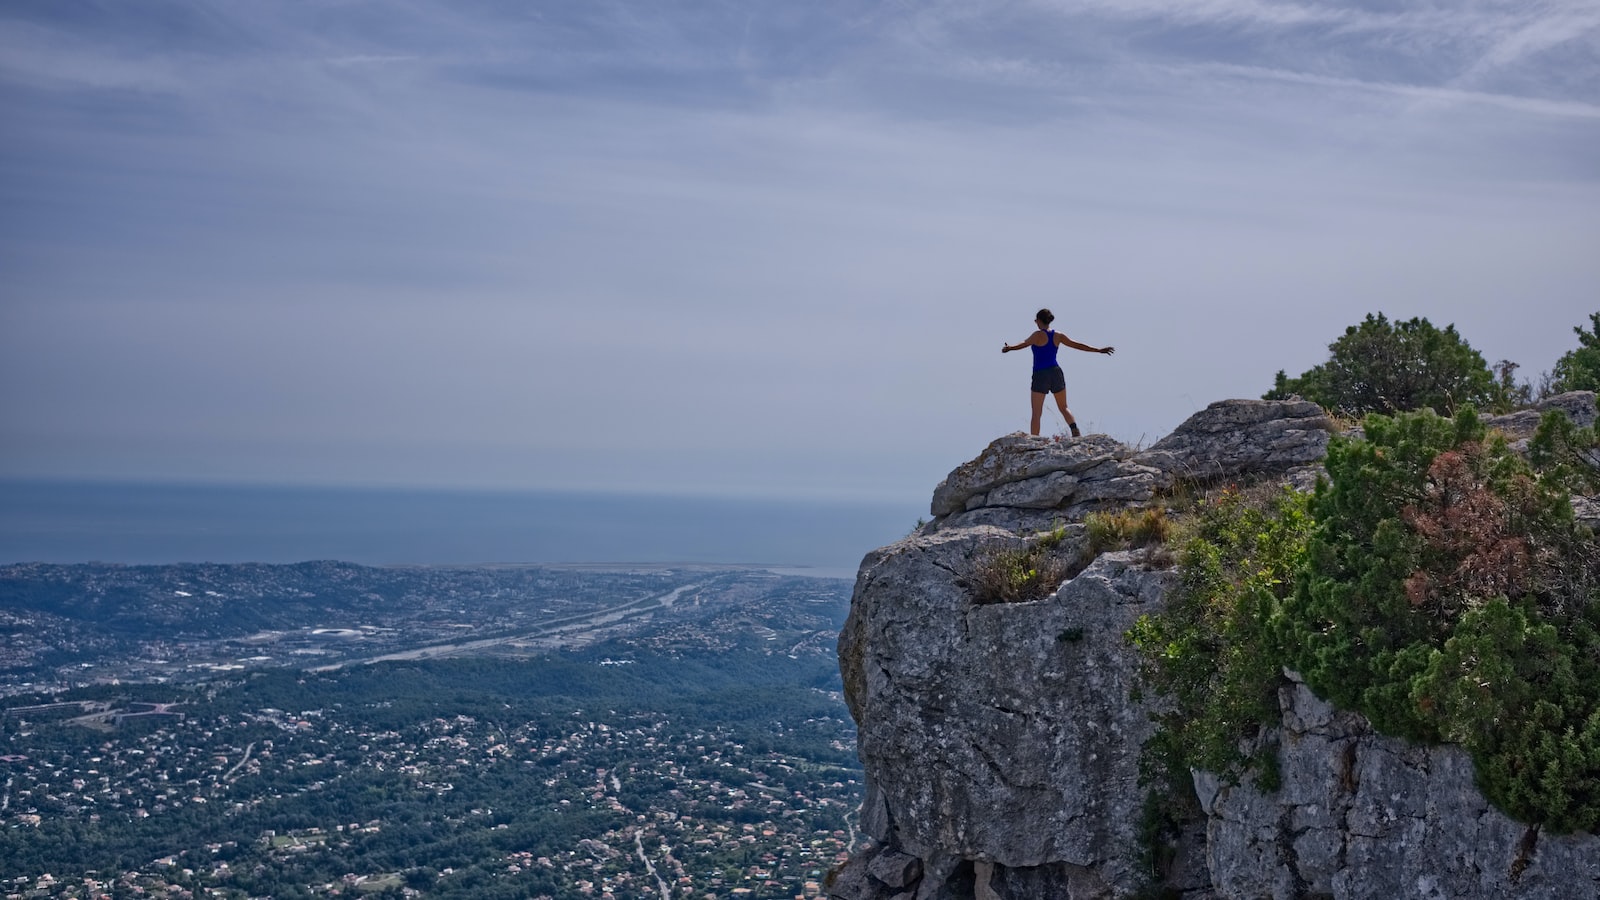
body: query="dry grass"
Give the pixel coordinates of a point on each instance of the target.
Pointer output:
(1127, 529)
(1022, 574)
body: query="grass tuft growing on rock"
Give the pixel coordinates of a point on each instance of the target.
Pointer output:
(1127, 529)
(1022, 574)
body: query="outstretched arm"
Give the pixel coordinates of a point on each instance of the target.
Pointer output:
(1065, 341)
(1036, 339)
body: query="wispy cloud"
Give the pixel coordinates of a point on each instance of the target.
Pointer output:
(1439, 48)
(53, 59)
(371, 59)
(1438, 95)
(1538, 32)
(1230, 13)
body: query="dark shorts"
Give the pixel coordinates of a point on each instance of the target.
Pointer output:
(1049, 381)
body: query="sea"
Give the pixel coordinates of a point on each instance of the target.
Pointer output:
(136, 524)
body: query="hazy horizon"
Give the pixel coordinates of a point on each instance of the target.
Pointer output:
(63, 522)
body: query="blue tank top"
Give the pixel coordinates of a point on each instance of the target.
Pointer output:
(1045, 357)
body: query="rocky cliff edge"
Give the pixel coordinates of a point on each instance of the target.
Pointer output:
(1001, 741)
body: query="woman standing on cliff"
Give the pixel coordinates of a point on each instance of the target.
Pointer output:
(1047, 375)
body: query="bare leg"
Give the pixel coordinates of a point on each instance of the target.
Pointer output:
(1061, 402)
(1038, 410)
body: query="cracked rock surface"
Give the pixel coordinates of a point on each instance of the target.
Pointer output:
(1364, 815)
(1579, 406)
(1000, 732)
(1029, 482)
(1243, 437)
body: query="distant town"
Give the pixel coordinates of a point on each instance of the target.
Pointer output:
(517, 732)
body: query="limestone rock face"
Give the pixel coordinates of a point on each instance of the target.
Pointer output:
(1027, 482)
(1579, 406)
(999, 732)
(1238, 437)
(1029, 472)
(1001, 742)
(1363, 815)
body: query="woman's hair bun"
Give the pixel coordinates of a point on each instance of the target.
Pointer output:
(1046, 316)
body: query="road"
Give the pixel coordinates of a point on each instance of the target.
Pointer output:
(550, 629)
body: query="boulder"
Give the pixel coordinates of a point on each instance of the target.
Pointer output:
(895, 869)
(1579, 406)
(1232, 438)
(1020, 457)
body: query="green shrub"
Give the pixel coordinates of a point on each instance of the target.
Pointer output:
(1566, 454)
(1388, 367)
(1579, 370)
(1449, 595)
(1435, 583)
(1209, 652)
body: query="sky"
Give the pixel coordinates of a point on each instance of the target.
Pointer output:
(748, 248)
